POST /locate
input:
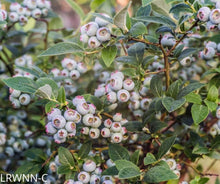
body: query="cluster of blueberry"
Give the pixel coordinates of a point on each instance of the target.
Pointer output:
(188, 73)
(89, 173)
(119, 89)
(94, 33)
(72, 71)
(13, 136)
(210, 51)
(23, 61)
(29, 8)
(211, 17)
(63, 124)
(18, 98)
(16, 137)
(111, 129)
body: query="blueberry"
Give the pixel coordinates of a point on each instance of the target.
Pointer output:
(100, 21)
(203, 14)
(93, 42)
(103, 34)
(215, 16)
(24, 99)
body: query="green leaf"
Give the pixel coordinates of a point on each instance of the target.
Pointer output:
(76, 8)
(186, 53)
(211, 105)
(156, 86)
(120, 18)
(213, 94)
(36, 154)
(174, 89)
(63, 169)
(50, 105)
(135, 157)
(138, 29)
(200, 150)
(66, 158)
(215, 38)
(2, 23)
(199, 113)
(165, 146)
(108, 54)
(160, 7)
(44, 91)
(121, 164)
(95, 4)
(61, 95)
(146, 2)
(112, 171)
(190, 88)
(47, 81)
(95, 100)
(29, 70)
(144, 11)
(159, 174)
(29, 168)
(117, 152)
(85, 149)
(70, 175)
(22, 84)
(149, 159)
(134, 126)
(128, 172)
(137, 51)
(193, 98)
(130, 60)
(181, 7)
(129, 72)
(158, 20)
(61, 49)
(171, 104)
(156, 125)
(178, 50)
(164, 29)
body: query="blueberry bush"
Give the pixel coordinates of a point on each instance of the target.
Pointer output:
(129, 97)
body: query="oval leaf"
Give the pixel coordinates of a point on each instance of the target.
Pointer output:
(108, 54)
(62, 48)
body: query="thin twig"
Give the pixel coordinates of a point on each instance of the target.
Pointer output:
(145, 41)
(48, 160)
(156, 72)
(107, 115)
(181, 39)
(123, 47)
(169, 126)
(200, 173)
